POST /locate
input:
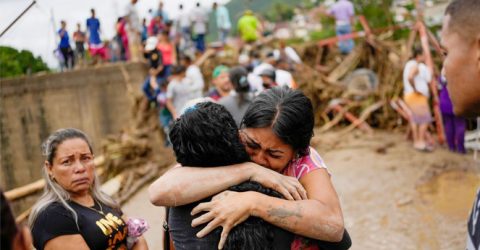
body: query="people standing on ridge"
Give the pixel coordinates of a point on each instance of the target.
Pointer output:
(249, 27)
(223, 22)
(199, 19)
(79, 37)
(134, 29)
(183, 27)
(161, 12)
(95, 45)
(344, 14)
(416, 92)
(121, 39)
(64, 46)
(156, 26)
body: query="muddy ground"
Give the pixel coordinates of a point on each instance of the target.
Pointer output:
(392, 196)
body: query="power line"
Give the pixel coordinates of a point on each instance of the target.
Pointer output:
(18, 17)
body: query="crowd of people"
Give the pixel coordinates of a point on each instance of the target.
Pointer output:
(187, 33)
(247, 177)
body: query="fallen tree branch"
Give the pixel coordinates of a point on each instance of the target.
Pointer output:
(363, 117)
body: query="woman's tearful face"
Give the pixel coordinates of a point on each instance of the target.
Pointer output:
(266, 149)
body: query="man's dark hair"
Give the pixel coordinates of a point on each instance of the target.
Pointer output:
(464, 17)
(178, 69)
(288, 112)
(239, 77)
(207, 136)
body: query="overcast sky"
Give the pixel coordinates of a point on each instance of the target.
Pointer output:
(35, 31)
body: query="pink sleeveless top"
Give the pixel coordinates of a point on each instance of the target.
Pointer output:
(167, 53)
(304, 165)
(298, 169)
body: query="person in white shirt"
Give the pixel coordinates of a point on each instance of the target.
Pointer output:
(134, 28)
(282, 77)
(194, 74)
(223, 22)
(416, 77)
(180, 90)
(199, 18)
(184, 26)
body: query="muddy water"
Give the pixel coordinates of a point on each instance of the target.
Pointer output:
(450, 193)
(394, 197)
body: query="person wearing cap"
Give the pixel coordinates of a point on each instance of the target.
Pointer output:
(268, 78)
(221, 83)
(152, 85)
(282, 77)
(240, 99)
(249, 27)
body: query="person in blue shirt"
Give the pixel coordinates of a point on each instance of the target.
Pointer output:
(64, 46)
(161, 12)
(93, 29)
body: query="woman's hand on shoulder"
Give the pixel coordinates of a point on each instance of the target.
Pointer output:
(226, 209)
(287, 186)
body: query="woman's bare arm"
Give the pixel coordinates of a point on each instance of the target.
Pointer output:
(73, 241)
(319, 217)
(183, 185)
(141, 244)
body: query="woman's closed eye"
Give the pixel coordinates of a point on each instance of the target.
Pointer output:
(252, 145)
(274, 155)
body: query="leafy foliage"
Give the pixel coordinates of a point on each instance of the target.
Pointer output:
(15, 63)
(279, 12)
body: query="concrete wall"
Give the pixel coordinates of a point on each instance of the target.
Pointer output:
(94, 100)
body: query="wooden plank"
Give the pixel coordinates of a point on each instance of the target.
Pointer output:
(348, 64)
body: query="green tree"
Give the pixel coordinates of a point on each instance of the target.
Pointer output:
(280, 12)
(15, 63)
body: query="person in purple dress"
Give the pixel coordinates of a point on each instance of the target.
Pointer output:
(454, 125)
